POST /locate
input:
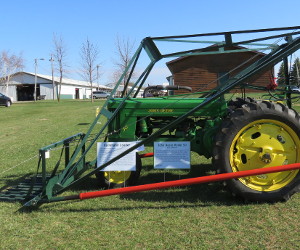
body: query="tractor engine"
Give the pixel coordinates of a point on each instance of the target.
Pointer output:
(139, 118)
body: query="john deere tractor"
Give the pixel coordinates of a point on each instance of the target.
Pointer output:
(238, 135)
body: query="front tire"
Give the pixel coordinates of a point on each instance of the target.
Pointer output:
(8, 104)
(260, 135)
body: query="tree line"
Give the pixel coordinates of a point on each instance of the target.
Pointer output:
(90, 68)
(293, 72)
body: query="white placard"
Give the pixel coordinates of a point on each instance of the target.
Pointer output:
(47, 154)
(108, 150)
(172, 155)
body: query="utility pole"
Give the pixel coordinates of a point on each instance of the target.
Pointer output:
(52, 71)
(298, 77)
(98, 76)
(35, 77)
(287, 81)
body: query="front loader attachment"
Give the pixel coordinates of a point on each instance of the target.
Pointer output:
(79, 164)
(34, 186)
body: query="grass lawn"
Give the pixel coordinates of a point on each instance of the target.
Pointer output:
(195, 217)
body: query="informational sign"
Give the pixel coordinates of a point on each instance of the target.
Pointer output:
(108, 150)
(172, 155)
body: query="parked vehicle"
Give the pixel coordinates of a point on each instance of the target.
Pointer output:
(5, 100)
(295, 89)
(100, 94)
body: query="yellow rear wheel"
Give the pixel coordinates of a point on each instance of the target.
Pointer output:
(261, 144)
(260, 135)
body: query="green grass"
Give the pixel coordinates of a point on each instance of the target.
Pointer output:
(195, 217)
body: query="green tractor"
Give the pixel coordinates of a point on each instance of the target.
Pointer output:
(238, 134)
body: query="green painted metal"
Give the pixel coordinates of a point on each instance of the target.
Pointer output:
(148, 114)
(205, 114)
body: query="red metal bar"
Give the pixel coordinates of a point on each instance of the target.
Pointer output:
(146, 155)
(189, 181)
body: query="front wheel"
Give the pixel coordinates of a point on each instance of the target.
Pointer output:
(113, 179)
(260, 135)
(8, 104)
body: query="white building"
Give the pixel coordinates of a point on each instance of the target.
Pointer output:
(22, 84)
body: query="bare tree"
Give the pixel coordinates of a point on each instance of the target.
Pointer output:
(124, 51)
(90, 69)
(9, 64)
(60, 54)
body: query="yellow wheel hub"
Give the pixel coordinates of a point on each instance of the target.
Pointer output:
(261, 144)
(117, 177)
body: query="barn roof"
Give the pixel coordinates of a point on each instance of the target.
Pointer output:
(65, 81)
(214, 47)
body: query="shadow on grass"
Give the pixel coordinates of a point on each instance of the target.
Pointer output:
(212, 193)
(199, 195)
(20, 188)
(83, 123)
(49, 206)
(13, 180)
(90, 184)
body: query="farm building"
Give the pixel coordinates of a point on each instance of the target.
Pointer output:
(203, 72)
(21, 87)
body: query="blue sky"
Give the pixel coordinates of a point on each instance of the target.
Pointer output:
(28, 26)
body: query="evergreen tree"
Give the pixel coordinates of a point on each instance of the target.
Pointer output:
(280, 75)
(294, 75)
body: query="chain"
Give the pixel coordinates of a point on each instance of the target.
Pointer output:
(13, 167)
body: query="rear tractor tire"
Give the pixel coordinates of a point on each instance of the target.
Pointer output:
(260, 135)
(116, 179)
